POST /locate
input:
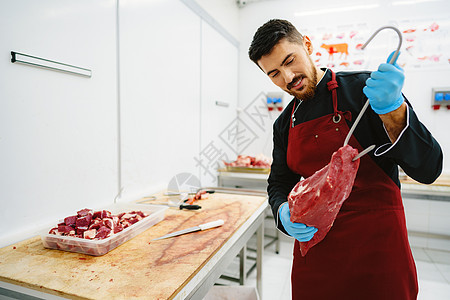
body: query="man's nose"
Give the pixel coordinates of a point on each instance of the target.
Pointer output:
(288, 76)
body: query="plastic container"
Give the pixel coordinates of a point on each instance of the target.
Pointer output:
(100, 247)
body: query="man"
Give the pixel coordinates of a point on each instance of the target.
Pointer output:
(366, 254)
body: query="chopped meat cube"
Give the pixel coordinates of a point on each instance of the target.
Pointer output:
(103, 214)
(90, 234)
(81, 230)
(65, 229)
(140, 213)
(125, 223)
(70, 220)
(108, 223)
(84, 221)
(134, 220)
(96, 224)
(103, 232)
(84, 212)
(128, 216)
(54, 230)
(117, 229)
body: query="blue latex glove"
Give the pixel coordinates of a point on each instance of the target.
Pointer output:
(299, 231)
(384, 87)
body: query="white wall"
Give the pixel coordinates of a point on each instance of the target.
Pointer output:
(418, 83)
(57, 131)
(224, 12)
(219, 82)
(60, 144)
(172, 75)
(160, 93)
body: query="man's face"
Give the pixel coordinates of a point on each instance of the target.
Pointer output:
(290, 67)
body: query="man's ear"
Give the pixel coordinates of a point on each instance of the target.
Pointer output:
(307, 44)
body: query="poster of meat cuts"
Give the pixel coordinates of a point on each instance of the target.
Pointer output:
(426, 45)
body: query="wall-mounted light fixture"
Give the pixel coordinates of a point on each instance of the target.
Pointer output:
(17, 57)
(412, 2)
(335, 10)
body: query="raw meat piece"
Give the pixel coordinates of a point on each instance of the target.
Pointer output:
(117, 229)
(317, 200)
(260, 161)
(134, 220)
(127, 216)
(54, 230)
(89, 234)
(125, 223)
(84, 212)
(200, 195)
(103, 232)
(65, 229)
(81, 230)
(96, 225)
(83, 221)
(108, 223)
(70, 220)
(140, 213)
(102, 214)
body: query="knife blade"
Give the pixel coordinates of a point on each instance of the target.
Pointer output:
(205, 226)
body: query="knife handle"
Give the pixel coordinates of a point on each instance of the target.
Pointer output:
(211, 224)
(190, 206)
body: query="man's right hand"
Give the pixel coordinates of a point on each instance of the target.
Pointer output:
(299, 231)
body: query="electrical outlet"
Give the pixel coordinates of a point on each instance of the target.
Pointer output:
(440, 97)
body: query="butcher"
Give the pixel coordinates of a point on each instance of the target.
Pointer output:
(366, 254)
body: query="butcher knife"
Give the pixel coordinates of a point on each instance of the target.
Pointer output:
(192, 229)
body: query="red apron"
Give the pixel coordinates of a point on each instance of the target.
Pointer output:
(366, 254)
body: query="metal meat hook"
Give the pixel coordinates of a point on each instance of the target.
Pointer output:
(400, 41)
(391, 61)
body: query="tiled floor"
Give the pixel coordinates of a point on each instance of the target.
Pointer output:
(433, 267)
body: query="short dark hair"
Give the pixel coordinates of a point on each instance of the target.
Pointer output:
(269, 34)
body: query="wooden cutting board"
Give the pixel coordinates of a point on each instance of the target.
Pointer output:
(138, 269)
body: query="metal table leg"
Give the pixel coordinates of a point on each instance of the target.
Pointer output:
(242, 260)
(259, 256)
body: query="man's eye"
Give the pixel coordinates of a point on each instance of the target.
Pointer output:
(274, 74)
(290, 61)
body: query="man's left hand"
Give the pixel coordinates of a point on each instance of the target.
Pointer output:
(384, 88)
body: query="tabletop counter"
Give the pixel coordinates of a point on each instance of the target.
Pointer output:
(183, 267)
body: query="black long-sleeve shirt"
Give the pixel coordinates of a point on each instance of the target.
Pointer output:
(415, 150)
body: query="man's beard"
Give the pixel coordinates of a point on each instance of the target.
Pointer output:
(309, 90)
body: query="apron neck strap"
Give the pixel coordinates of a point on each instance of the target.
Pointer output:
(332, 86)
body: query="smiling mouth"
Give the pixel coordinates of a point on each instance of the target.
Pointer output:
(296, 84)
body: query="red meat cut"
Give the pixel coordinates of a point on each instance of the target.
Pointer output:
(316, 200)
